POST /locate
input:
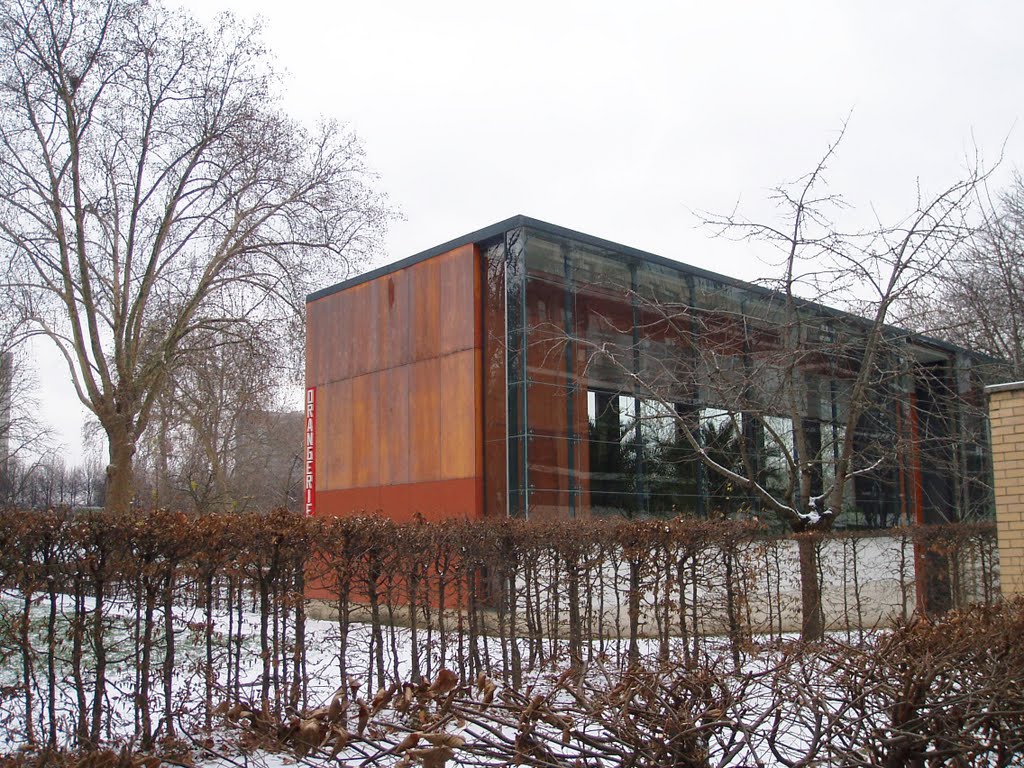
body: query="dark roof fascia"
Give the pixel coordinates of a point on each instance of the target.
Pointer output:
(473, 237)
(515, 222)
(520, 220)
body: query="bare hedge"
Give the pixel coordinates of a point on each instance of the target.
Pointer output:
(91, 593)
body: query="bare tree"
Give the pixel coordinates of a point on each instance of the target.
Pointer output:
(219, 440)
(151, 190)
(6, 396)
(801, 396)
(977, 299)
(25, 442)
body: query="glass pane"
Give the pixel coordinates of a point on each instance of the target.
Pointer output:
(544, 258)
(548, 346)
(720, 435)
(515, 295)
(562, 504)
(779, 452)
(671, 466)
(495, 399)
(663, 286)
(599, 270)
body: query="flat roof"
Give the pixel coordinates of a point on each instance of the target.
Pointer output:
(520, 220)
(515, 222)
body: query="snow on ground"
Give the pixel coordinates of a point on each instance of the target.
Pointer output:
(322, 670)
(767, 705)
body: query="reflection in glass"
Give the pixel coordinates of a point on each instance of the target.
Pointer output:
(621, 371)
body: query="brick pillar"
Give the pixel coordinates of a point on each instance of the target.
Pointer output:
(1006, 416)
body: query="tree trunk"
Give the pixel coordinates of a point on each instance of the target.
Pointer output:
(634, 611)
(120, 470)
(813, 625)
(28, 669)
(161, 490)
(99, 628)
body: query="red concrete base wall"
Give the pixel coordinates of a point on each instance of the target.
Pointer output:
(435, 501)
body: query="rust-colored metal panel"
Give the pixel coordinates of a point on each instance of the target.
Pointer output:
(425, 421)
(321, 341)
(364, 323)
(348, 502)
(359, 325)
(458, 415)
(438, 500)
(314, 346)
(416, 313)
(396, 413)
(340, 341)
(425, 302)
(375, 318)
(456, 272)
(334, 435)
(384, 331)
(394, 328)
(353, 333)
(394, 425)
(435, 501)
(366, 436)
(478, 380)
(327, 341)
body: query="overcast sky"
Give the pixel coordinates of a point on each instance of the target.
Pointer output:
(620, 120)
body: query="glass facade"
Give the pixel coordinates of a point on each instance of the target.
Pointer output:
(618, 385)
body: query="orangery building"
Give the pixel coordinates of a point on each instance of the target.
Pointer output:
(529, 370)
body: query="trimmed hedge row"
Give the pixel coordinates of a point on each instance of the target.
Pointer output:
(101, 607)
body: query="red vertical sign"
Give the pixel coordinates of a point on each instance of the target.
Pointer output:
(310, 449)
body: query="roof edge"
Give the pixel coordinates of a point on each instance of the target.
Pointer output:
(521, 220)
(473, 237)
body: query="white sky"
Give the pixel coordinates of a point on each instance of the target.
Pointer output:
(620, 119)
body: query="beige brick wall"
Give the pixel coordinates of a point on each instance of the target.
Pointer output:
(1006, 415)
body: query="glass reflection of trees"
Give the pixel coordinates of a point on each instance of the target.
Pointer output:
(642, 464)
(650, 353)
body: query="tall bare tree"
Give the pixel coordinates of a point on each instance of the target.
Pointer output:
(220, 438)
(803, 396)
(977, 299)
(150, 186)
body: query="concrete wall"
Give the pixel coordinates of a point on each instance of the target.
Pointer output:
(1006, 417)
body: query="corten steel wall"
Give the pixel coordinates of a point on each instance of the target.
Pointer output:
(396, 363)
(1006, 415)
